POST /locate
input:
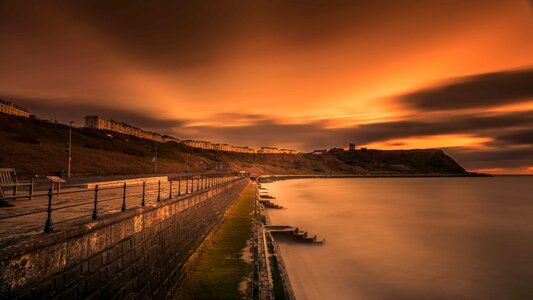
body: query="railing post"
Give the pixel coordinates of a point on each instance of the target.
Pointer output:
(170, 192)
(159, 191)
(192, 185)
(124, 198)
(95, 211)
(48, 225)
(186, 185)
(143, 195)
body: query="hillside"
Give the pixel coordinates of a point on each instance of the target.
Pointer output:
(34, 146)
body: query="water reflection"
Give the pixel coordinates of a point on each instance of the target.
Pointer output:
(417, 238)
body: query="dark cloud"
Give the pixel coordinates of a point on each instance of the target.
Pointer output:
(317, 135)
(477, 91)
(505, 157)
(170, 33)
(477, 124)
(519, 137)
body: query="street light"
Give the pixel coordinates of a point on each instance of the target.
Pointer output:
(69, 147)
(155, 159)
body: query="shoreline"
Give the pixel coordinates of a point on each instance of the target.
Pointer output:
(271, 178)
(271, 276)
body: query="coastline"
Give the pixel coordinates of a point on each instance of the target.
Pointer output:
(271, 178)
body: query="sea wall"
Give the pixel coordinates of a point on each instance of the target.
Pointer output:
(134, 254)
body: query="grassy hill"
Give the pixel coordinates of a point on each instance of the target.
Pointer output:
(34, 146)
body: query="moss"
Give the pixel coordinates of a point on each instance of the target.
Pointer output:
(220, 269)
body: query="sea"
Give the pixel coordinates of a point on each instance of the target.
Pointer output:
(409, 238)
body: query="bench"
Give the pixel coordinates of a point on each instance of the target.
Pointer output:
(8, 179)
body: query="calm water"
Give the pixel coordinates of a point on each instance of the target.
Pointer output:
(409, 238)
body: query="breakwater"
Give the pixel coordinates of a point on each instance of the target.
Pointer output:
(133, 254)
(271, 280)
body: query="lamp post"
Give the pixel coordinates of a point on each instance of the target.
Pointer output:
(69, 147)
(155, 159)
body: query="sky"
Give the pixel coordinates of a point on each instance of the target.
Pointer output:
(450, 74)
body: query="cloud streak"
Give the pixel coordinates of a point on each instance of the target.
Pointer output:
(477, 91)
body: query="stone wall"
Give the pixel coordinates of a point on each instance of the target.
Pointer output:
(135, 254)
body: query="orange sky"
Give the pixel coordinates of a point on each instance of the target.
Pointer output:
(300, 74)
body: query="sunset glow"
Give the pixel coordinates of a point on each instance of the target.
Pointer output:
(291, 74)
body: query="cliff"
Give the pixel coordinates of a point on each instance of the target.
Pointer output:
(33, 146)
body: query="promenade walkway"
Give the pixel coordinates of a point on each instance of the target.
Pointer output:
(75, 204)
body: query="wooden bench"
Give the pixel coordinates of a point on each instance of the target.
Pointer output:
(8, 179)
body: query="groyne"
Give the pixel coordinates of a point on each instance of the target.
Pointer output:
(136, 253)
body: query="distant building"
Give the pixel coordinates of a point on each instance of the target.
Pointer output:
(199, 144)
(168, 138)
(98, 122)
(352, 147)
(268, 150)
(238, 149)
(218, 147)
(288, 151)
(13, 109)
(319, 151)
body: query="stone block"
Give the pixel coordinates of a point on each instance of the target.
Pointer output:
(126, 260)
(126, 246)
(82, 288)
(59, 281)
(73, 274)
(137, 253)
(92, 281)
(85, 267)
(128, 274)
(112, 285)
(112, 254)
(43, 290)
(24, 296)
(95, 263)
(112, 269)
(119, 263)
(70, 293)
(94, 296)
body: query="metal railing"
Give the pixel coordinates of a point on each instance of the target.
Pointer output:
(90, 204)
